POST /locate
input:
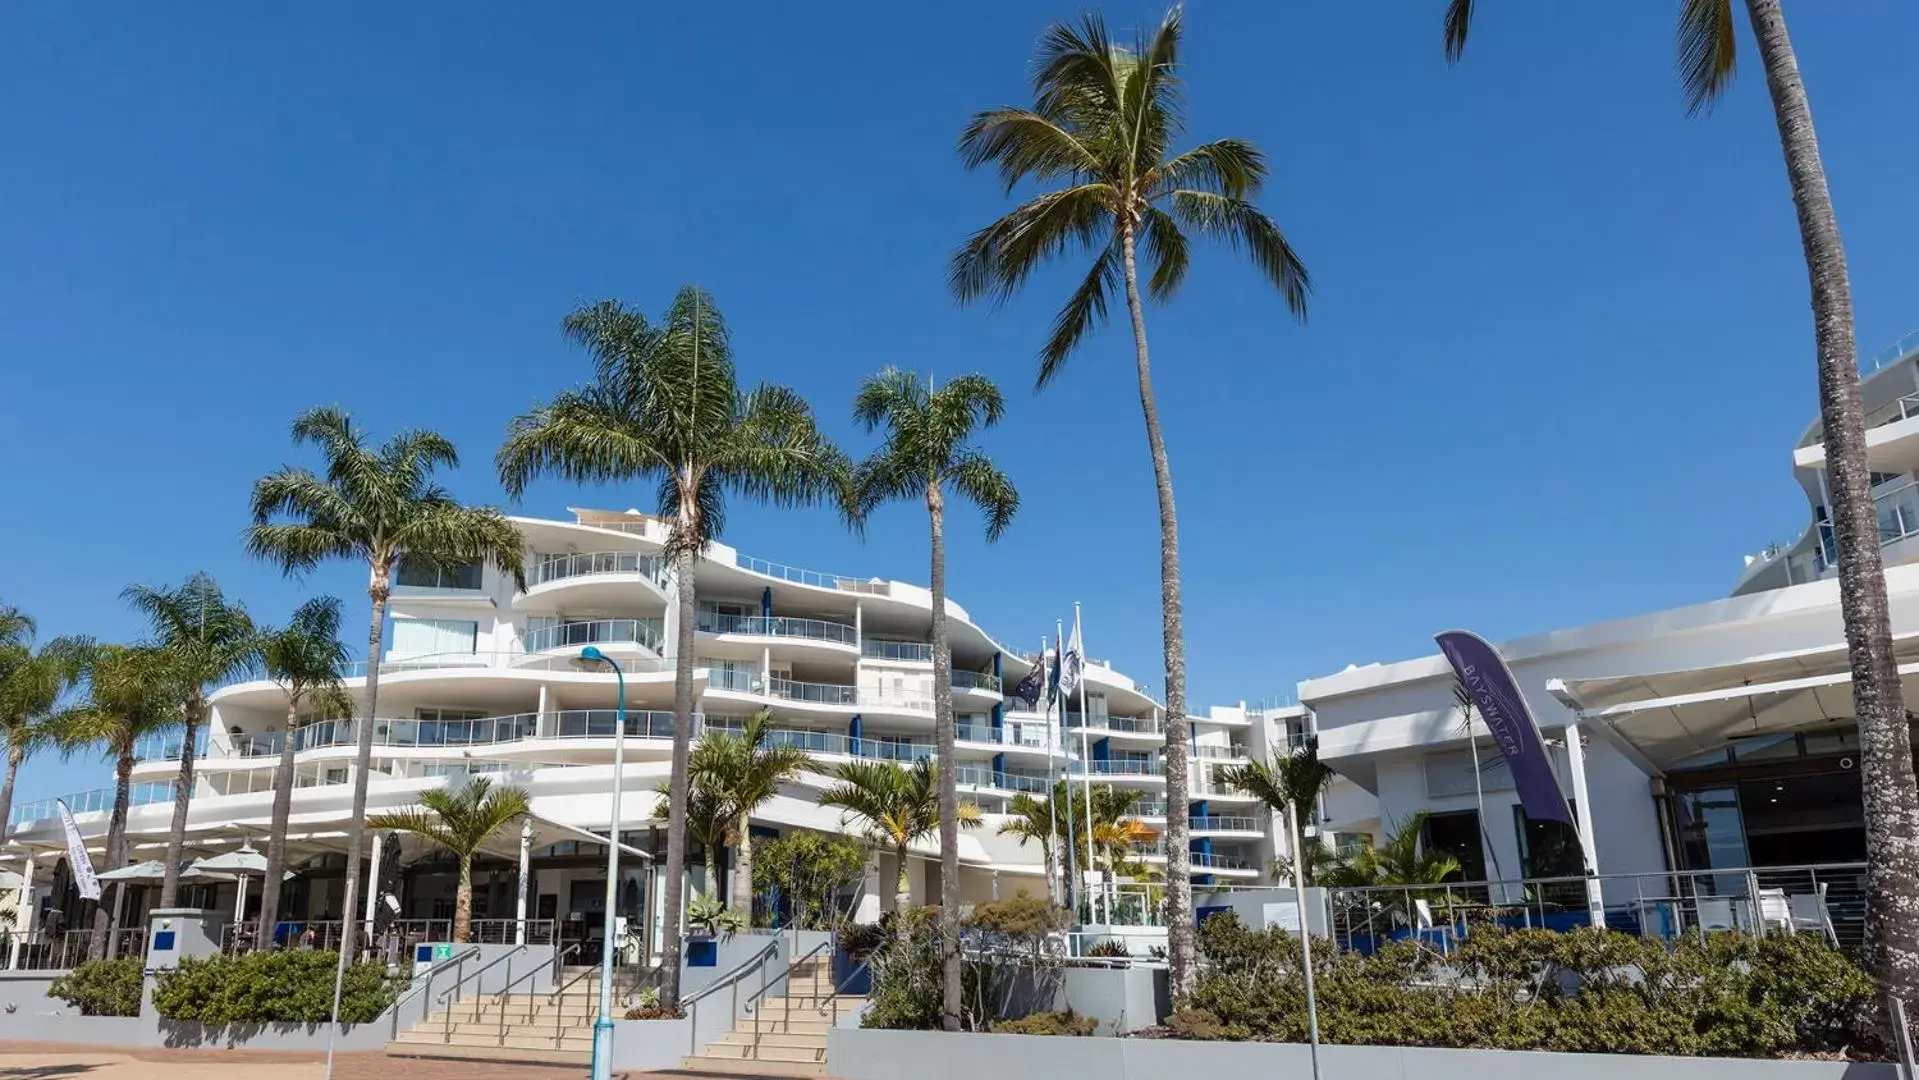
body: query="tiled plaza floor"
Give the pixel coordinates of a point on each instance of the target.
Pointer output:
(56, 1061)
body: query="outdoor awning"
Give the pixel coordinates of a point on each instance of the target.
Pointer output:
(1598, 693)
(1673, 727)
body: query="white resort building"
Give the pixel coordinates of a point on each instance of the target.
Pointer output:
(482, 678)
(1710, 751)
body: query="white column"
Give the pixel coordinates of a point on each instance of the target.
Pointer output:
(23, 912)
(1583, 809)
(372, 885)
(526, 874)
(540, 725)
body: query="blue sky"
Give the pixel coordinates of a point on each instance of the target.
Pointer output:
(1557, 356)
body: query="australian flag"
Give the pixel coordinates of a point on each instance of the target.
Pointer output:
(1030, 688)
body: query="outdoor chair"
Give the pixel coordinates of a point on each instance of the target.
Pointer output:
(1447, 936)
(1774, 911)
(1717, 914)
(1809, 913)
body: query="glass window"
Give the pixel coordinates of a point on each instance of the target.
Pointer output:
(465, 576)
(1547, 849)
(1457, 834)
(1711, 834)
(428, 637)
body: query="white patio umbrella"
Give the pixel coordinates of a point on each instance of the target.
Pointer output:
(155, 870)
(242, 862)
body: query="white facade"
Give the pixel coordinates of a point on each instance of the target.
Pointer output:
(482, 678)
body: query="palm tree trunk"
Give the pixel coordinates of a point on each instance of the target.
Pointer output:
(1885, 741)
(676, 782)
(742, 897)
(463, 901)
(116, 850)
(14, 758)
(277, 831)
(951, 992)
(902, 889)
(1180, 946)
(196, 707)
(363, 761)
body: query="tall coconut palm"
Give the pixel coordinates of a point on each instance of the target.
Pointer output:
(307, 660)
(31, 684)
(743, 772)
(1099, 135)
(373, 504)
(1708, 52)
(209, 640)
(665, 405)
(897, 805)
(133, 693)
(926, 452)
(461, 820)
(1294, 778)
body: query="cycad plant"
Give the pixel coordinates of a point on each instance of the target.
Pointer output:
(665, 405)
(31, 684)
(897, 806)
(307, 660)
(209, 640)
(461, 820)
(927, 452)
(1099, 137)
(1707, 57)
(743, 772)
(373, 504)
(1293, 778)
(132, 693)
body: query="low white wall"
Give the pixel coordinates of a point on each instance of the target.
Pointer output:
(651, 1045)
(147, 1031)
(860, 1054)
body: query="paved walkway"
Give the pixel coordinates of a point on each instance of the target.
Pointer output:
(65, 1061)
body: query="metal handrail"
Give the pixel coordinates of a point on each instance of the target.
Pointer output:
(786, 1021)
(732, 978)
(550, 962)
(839, 989)
(506, 957)
(425, 986)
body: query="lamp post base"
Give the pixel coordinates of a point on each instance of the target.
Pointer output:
(603, 1048)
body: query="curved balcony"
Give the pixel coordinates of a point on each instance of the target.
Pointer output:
(1119, 725)
(1212, 823)
(912, 652)
(97, 801)
(801, 576)
(1120, 767)
(976, 681)
(714, 622)
(642, 632)
(547, 569)
(979, 776)
(738, 680)
(813, 693)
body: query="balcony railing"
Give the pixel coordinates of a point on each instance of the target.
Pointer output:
(817, 693)
(1117, 767)
(97, 801)
(981, 777)
(1891, 354)
(1222, 823)
(1219, 753)
(166, 745)
(738, 680)
(642, 632)
(547, 568)
(795, 574)
(976, 680)
(915, 651)
(714, 622)
(1144, 725)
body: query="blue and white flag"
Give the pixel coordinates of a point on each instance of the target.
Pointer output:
(1072, 665)
(84, 879)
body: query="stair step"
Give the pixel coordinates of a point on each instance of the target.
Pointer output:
(799, 1025)
(723, 1066)
(745, 1052)
(810, 1041)
(491, 1040)
(495, 1053)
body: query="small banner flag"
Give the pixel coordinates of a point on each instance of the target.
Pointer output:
(84, 879)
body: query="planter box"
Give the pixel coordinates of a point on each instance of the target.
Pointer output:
(861, 1054)
(651, 1045)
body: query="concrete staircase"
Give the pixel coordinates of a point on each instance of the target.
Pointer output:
(534, 1028)
(784, 1036)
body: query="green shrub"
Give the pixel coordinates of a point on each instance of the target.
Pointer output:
(1593, 991)
(1047, 1023)
(905, 968)
(292, 986)
(807, 870)
(102, 987)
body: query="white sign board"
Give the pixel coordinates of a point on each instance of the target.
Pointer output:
(1284, 916)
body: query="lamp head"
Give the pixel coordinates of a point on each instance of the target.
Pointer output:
(592, 654)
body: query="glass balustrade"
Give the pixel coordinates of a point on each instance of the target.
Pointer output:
(976, 680)
(1222, 823)
(1145, 725)
(1117, 767)
(736, 679)
(716, 622)
(642, 632)
(548, 568)
(817, 693)
(97, 801)
(916, 651)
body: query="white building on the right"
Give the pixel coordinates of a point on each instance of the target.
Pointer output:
(1715, 737)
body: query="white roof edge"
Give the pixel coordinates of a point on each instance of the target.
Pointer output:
(1773, 602)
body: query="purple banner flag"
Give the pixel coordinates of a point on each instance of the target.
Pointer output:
(1503, 709)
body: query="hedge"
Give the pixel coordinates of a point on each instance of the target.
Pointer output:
(102, 987)
(291, 986)
(1589, 990)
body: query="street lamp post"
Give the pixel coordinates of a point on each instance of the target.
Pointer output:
(603, 1025)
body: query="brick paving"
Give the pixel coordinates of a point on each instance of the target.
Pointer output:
(66, 1061)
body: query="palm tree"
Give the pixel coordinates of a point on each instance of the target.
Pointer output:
(897, 805)
(926, 450)
(1294, 778)
(1112, 831)
(133, 692)
(665, 405)
(306, 659)
(209, 640)
(1100, 132)
(1708, 51)
(1403, 858)
(461, 820)
(31, 684)
(1030, 817)
(743, 772)
(374, 505)
(707, 827)
(16, 626)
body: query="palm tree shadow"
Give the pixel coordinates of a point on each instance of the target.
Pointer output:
(46, 1072)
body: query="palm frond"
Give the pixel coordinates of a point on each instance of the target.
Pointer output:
(1084, 312)
(999, 258)
(1242, 225)
(975, 477)
(1708, 51)
(1459, 22)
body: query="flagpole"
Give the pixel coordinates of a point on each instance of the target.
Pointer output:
(1065, 786)
(1054, 869)
(1079, 638)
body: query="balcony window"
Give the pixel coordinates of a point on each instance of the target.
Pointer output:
(431, 637)
(464, 576)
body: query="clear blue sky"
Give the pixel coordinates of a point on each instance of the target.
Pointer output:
(1532, 267)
